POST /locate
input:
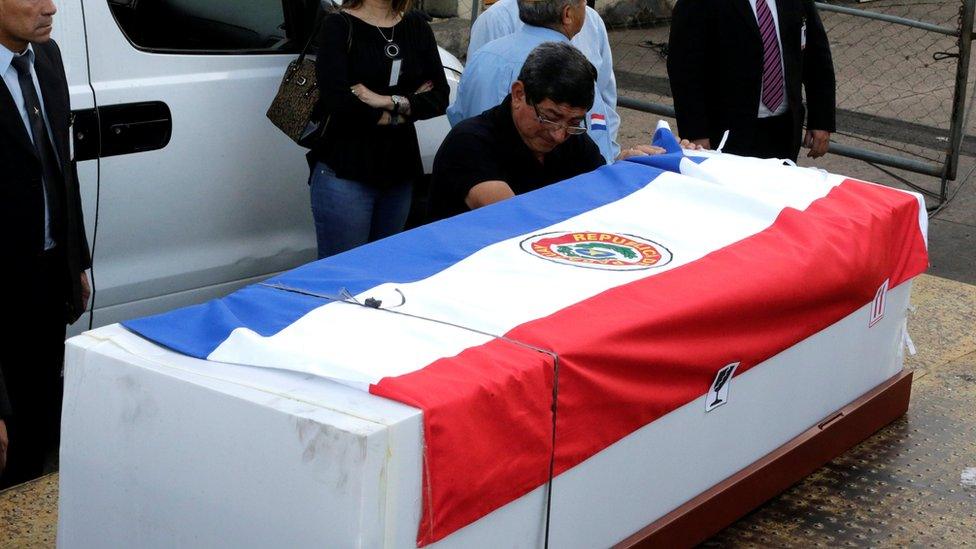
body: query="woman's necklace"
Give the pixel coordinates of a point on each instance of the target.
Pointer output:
(392, 50)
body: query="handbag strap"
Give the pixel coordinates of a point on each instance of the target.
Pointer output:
(318, 27)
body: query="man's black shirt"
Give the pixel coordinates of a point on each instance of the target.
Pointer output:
(488, 147)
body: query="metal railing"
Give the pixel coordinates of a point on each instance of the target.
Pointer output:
(963, 34)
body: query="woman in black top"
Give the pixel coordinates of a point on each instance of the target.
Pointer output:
(378, 70)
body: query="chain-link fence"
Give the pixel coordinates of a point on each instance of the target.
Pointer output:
(896, 84)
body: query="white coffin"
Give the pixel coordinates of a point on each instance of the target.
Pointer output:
(162, 450)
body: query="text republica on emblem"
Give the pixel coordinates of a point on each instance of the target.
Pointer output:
(598, 250)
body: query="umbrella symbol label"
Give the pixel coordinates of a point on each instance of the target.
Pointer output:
(718, 394)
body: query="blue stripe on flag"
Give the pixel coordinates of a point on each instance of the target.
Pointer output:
(402, 258)
(666, 140)
(671, 160)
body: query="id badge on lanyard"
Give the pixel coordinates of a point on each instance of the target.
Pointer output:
(395, 67)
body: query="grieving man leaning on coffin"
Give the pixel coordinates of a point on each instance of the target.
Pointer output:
(535, 137)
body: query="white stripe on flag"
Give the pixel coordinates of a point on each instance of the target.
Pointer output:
(502, 286)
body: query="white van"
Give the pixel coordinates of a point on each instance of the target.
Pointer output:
(189, 191)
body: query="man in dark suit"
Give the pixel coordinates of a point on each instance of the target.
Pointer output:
(46, 253)
(739, 65)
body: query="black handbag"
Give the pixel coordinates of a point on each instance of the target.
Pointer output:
(293, 108)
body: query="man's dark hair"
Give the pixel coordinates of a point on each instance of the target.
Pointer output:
(543, 13)
(560, 72)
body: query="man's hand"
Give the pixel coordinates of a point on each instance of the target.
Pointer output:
(817, 141)
(371, 98)
(703, 143)
(4, 442)
(640, 150)
(85, 291)
(692, 145)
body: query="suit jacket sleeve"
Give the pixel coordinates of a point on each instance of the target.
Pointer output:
(687, 67)
(76, 219)
(818, 73)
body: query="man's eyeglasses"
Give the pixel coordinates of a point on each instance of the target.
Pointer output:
(556, 126)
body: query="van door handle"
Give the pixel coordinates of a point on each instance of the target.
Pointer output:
(141, 126)
(127, 128)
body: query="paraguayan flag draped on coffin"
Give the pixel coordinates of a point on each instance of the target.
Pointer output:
(644, 278)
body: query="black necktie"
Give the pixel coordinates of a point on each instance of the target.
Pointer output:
(50, 170)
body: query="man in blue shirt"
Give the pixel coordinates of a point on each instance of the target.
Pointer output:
(502, 19)
(490, 72)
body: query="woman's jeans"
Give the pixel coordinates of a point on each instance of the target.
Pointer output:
(349, 213)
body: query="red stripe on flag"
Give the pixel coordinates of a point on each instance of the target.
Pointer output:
(634, 353)
(487, 430)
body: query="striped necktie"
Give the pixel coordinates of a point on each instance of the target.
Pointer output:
(772, 82)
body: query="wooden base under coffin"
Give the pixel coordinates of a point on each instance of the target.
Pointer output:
(736, 496)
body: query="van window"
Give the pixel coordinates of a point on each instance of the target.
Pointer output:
(194, 26)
